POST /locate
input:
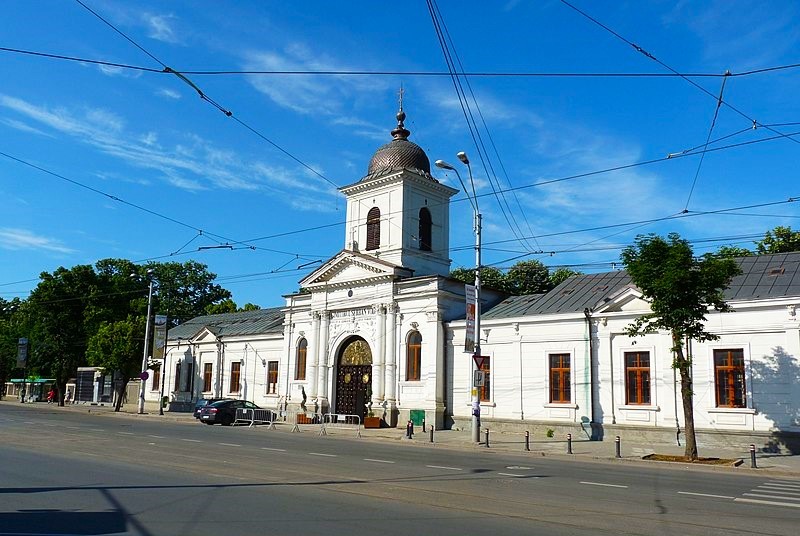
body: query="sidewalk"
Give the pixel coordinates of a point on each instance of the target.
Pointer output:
(630, 451)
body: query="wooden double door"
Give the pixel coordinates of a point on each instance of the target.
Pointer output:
(354, 378)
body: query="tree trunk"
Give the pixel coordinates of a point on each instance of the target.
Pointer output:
(122, 385)
(61, 387)
(684, 366)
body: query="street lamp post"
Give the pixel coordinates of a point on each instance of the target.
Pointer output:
(146, 341)
(477, 218)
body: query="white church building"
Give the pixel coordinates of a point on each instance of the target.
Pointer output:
(379, 330)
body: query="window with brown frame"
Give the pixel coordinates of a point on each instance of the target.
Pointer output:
(272, 377)
(637, 378)
(413, 356)
(300, 364)
(156, 378)
(729, 378)
(485, 391)
(425, 229)
(208, 368)
(560, 382)
(177, 384)
(374, 228)
(236, 368)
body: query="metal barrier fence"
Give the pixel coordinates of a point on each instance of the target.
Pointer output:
(298, 418)
(340, 421)
(252, 417)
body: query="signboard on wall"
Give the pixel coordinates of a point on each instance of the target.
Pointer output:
(469, 338)
(159, 336)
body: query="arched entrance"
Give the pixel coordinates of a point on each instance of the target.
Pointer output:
(354, 377)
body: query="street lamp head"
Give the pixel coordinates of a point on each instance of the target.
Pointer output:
(463, 157)
(444, 165)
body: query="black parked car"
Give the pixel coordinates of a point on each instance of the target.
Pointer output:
(223, 411)
(203, 402)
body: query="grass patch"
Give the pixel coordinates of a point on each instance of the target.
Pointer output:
(684, 459)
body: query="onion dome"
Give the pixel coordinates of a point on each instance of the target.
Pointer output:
(400, 153)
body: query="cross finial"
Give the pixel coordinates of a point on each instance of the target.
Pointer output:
(400, 94)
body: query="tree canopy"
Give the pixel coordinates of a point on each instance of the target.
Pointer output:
(525, 277)
(779, 240)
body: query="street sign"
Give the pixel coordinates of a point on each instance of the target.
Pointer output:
(144, 375)
(470, 335)
(478, 378)
(480, 360)
(22, 353)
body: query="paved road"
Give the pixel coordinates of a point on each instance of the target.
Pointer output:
(65, 472)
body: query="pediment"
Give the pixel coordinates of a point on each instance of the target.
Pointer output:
(626, 299)
(203, 335)
(349, 267)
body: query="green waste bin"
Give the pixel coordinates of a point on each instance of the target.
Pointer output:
(417, 416)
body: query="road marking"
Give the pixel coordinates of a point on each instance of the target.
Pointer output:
(192, 440)
(321, 454)
(444, 467)
(705, 495)
(377, 461)
(126, 433)
(782, 486)
(775, 489)
(276, 450)
(602, 484)
(73, 427)
(774, 503)
(772, 496)
(229, 444)
(96, 430)
(520, 467)
(157, 436)
(28, 422)
(510, 474)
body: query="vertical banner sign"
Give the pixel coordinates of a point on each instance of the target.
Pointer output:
(22, 353)
(469, 339)
(159, 336)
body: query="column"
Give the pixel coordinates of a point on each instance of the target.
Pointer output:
(391, 355)
(377, 357)
(380, 372)
(322, 373)
(313, 355)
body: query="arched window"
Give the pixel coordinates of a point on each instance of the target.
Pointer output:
(374, 228)
(300, 364)
(425, 225)
(413, 356)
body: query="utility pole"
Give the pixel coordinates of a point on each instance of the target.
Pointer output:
(143, 380)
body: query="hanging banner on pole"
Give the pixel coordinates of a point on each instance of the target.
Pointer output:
(469, 339)
(159, 336)
(22, 353)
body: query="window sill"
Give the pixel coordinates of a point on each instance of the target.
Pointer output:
(272, 395)
(747, 411)
(484, 404)
(640, 407)
(561, 405)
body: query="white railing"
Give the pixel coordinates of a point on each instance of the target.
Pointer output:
(340, 421)
(252, 417)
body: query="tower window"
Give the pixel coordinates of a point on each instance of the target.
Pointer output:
(425, 225)
(373, 228)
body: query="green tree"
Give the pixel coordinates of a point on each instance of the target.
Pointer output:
(779, 240)
(225, 306)
(250, 307)
(528, 277)
(560, 275)
(491, 277)
(117, 347)
(10, 332)
(680, 289)
(732, 252)
(184, 289)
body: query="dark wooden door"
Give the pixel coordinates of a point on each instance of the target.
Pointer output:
(353, 387)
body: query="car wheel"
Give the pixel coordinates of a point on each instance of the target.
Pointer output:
(227, 420)
(207, 422)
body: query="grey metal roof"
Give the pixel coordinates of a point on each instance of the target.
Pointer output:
(762, 277)
(259, 322)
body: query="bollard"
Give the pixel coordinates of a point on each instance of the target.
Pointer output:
(617, 453)
(753, 457)
(431, 434)
(423, 426)
(487, 438)
(569, 443)
(410, 430)
(527, 441)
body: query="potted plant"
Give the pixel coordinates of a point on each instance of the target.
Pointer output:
(371, 421)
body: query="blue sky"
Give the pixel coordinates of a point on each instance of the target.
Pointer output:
(149, 140)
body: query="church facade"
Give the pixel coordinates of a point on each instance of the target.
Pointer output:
(378, 330)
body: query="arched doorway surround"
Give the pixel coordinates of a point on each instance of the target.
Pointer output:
(353, 377)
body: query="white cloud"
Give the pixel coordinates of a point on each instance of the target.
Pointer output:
(24, 127)
(160, 27)
(111, 70)
(168, 93)
(21, 239)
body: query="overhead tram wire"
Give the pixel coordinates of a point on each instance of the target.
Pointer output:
(205, 97)
(465, 106)
(474, 74)
(491, 141)
(674, 71)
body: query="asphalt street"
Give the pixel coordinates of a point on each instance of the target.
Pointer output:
(68, 472)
